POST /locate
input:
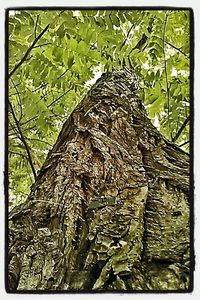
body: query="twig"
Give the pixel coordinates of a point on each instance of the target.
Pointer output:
(19, 98)
(176, 48)
(17, 153)
(27, 59)
(37, 140)
(23, 140)
(14, 129)
(29, 120)
(183, 144)
(28, 51)
(64, 72)
(41, 86)
(177, 124)
(165, 68)
(181, 129)
(35, 30)
(59, 98)
(41, 45)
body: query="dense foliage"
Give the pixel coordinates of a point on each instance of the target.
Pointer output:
(54, 57)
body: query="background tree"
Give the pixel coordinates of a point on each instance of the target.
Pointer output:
(109, 209)
(53, 57)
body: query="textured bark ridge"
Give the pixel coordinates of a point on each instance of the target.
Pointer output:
(109, 209)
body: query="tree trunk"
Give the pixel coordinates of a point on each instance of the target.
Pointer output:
(109, 209)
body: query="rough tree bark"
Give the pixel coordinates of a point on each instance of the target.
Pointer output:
(110, 207)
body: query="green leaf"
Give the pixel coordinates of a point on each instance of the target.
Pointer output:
(82, 48)
(70, 61)
(57, 53)
(115, 19)
(121, 16)
(61, 31)
(78, 44)
(71, 44)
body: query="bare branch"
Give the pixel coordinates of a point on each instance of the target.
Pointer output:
(23, 140)
(28, 51)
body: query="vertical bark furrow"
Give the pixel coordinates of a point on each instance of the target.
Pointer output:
(109, 209)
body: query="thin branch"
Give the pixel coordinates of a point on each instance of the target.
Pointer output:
(37, 140)
(23, 140)
(183, 144)
(35, 30)
(40, 87)
(17, 153)
(176, 48)
(165, 68)
(19, 98)
(41, 45)
(21, 124)
(28, 51)
(59, 98)
(27, 59)
(29, 120)
(64, 72)
(14, 129)
(181, 129)
(177, 124)
(14, 94)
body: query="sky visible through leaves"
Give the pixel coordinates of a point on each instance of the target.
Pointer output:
(56, 55)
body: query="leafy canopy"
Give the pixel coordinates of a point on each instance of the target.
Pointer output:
(54, 57)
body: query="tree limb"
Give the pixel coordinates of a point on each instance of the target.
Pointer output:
(28, 51)
(181, 129)
(23, 140)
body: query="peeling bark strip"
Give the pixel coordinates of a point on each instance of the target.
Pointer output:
(109, 209)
